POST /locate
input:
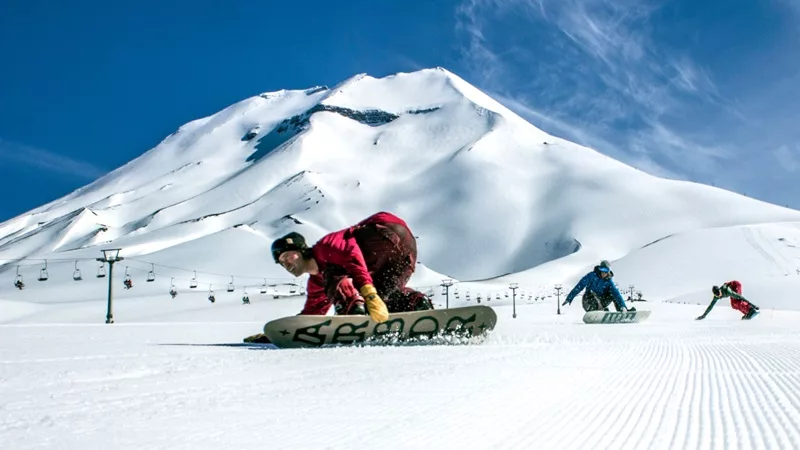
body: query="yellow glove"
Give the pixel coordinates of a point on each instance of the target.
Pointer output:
(375, 306)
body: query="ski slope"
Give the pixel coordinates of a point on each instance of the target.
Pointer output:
(541, 380)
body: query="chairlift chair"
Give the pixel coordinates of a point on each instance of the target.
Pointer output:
(193, 283)
(264, 287)
(293, 290)
(151, 276)
(211, 297)
(101, 271)
(127, 282)
(173, 291)
(231, 287)
(43, 273)
(274, 291)
(18, 282)
(76, 275)
(245, 298)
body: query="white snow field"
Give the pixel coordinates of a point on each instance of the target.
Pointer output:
(492, 200)
(540, 381)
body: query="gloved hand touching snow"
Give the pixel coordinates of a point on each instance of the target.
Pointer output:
(375, 306)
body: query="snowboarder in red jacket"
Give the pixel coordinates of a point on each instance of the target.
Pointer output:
(732, 289)
(360, 269)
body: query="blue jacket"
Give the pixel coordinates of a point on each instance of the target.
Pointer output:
(593, 282)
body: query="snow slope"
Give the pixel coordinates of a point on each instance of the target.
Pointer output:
(486, 193)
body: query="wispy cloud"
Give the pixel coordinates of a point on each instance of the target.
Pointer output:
(17, 153)
(593, 69)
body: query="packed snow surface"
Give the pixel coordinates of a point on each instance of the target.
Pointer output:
(541, 380)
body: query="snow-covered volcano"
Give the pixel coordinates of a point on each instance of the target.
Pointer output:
(488, 195)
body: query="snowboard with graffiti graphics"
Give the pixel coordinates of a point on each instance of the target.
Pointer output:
(454, 325)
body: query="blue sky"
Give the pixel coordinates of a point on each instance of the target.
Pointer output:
(703, 91)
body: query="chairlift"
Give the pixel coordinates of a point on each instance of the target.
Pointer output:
(43, 273)
(231, 288)
(245, 298)
(76, 275)
(444, 290)
(506, 294)
(18, 282)
(478, 298)
(274, 291)
(151, 276)
(264, 287)
(293, 290)
(497, 297)
(211, 297)
(173, 291)
(101, 271)
(193, 283)
(128, 283)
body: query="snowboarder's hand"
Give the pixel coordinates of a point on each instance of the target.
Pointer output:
(375, 306)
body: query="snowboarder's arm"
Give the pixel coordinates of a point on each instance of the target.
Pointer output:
(617, 297)
(730, 293)
(317, 301)
(341, 249)
(578, 288)
(708, 310)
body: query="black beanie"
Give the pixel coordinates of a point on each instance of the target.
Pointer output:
(292, 241)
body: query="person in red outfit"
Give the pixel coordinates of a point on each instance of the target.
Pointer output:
(360, 269)
(732, 289)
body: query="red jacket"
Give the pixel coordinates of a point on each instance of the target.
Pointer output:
(340, 249)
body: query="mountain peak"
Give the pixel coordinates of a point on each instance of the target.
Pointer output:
(486, 192)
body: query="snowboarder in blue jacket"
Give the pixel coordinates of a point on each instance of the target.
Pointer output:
(600, 290)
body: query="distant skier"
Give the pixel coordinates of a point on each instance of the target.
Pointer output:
(600, 290)
(732, 289)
